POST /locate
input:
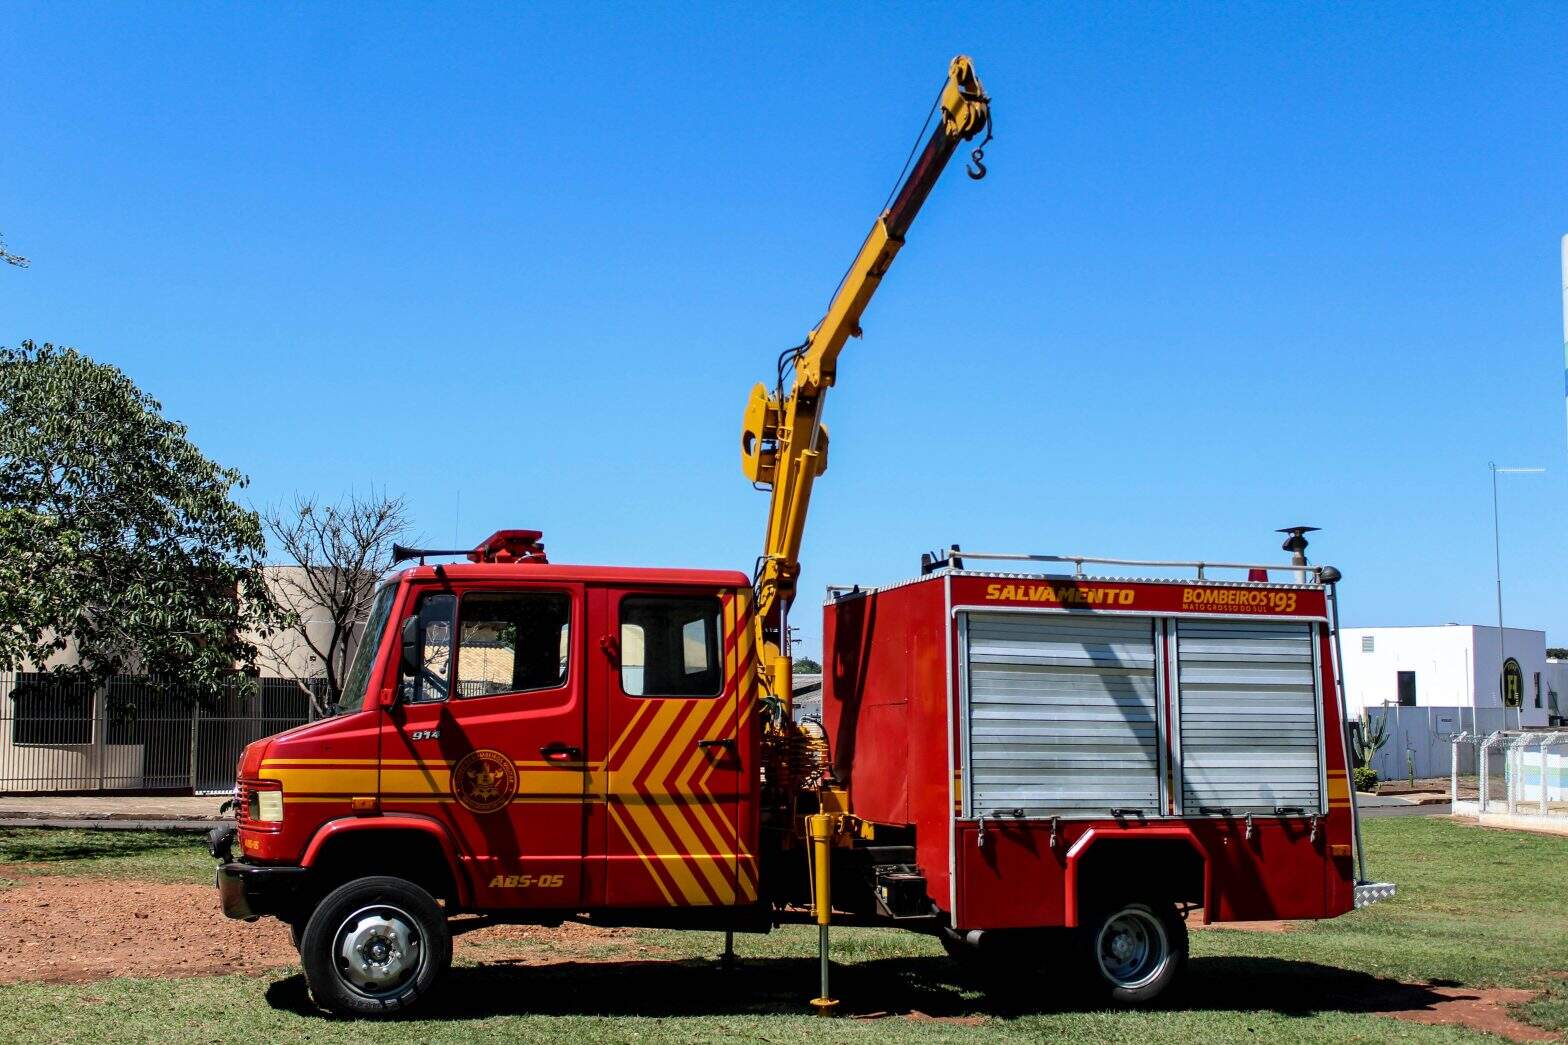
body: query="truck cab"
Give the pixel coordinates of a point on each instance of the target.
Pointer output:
(516, 736)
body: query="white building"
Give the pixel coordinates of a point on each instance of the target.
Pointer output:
(1457, 666)
(1557, 690)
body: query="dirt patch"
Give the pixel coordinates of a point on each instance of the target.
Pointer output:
(1479, 1009)
(1195, 921)
(69, 930)
(916, 1016)
(75, 929)
(543, 944)
(1482, 1009)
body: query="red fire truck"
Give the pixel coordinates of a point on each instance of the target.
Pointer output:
(1002, 755)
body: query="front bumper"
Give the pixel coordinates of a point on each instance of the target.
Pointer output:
(249, 891)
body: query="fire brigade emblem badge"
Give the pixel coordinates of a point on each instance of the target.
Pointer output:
(484, 781)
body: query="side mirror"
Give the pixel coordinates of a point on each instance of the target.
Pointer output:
(426, 654)
(411, 645)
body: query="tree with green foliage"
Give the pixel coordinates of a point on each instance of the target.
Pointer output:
(119, 541)
(807, 666)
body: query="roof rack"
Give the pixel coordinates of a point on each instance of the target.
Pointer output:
(954, 557)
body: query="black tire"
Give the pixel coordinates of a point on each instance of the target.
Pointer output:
(1135, 950)
(374, 947)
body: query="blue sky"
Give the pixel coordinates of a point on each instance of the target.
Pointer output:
(1235, 267)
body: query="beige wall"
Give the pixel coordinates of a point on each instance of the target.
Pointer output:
(284, 655)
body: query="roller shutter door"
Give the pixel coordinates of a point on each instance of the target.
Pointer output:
(1249, 716)
(1061, 715)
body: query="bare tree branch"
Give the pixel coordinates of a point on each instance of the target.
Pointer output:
(342, 551)
(12, 259)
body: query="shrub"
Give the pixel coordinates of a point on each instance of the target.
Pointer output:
(1365, 778)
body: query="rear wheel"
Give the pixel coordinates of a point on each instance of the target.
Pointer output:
(374, 946)
(1136, 950)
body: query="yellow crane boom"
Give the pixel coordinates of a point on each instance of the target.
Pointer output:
(784, 444)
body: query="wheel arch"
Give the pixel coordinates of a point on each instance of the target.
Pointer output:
(1105, 858)
(372, 841)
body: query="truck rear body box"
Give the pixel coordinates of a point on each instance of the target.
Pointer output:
(1023, 725)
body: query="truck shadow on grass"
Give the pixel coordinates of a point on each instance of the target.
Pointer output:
(930, 987)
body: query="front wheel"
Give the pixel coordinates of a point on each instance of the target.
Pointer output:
(374, 946)
(1136, 950)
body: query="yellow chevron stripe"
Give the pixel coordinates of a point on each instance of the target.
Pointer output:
(631, 728)
(682, 748)
(653, 870)
(659, 844)
(715, 820)
(711, 863)
(664, 849)
(687, 815)
(647, 737)
(693, 850)
(685, 719)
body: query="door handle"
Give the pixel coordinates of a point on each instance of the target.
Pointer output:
(561, 753)
(726, 743)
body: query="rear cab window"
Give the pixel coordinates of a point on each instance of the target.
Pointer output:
(671, 646)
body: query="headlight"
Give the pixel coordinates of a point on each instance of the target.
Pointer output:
(266, 805)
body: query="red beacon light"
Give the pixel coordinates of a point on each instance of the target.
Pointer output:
(510, 546)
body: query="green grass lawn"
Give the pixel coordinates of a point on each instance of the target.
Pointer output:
(150, 856)
(1476, 907)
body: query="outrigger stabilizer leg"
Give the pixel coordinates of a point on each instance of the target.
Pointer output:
(821, 828)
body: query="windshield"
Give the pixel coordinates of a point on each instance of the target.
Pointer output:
(358, 679)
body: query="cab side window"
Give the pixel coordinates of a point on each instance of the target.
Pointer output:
(512, 642)
(671, 646)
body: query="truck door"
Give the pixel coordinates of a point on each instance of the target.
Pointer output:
(489, 737)
(679, 754)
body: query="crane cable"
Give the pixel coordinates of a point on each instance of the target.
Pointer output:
(919, 137)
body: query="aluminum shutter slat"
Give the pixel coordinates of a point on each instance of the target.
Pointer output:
(1249, 716)
(1062, 715)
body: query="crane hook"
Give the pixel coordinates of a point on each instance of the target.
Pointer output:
(978, 170)
(978, 156)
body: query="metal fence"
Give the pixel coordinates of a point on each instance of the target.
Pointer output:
(1520, 778)
(1419, 738)
(134, 733)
